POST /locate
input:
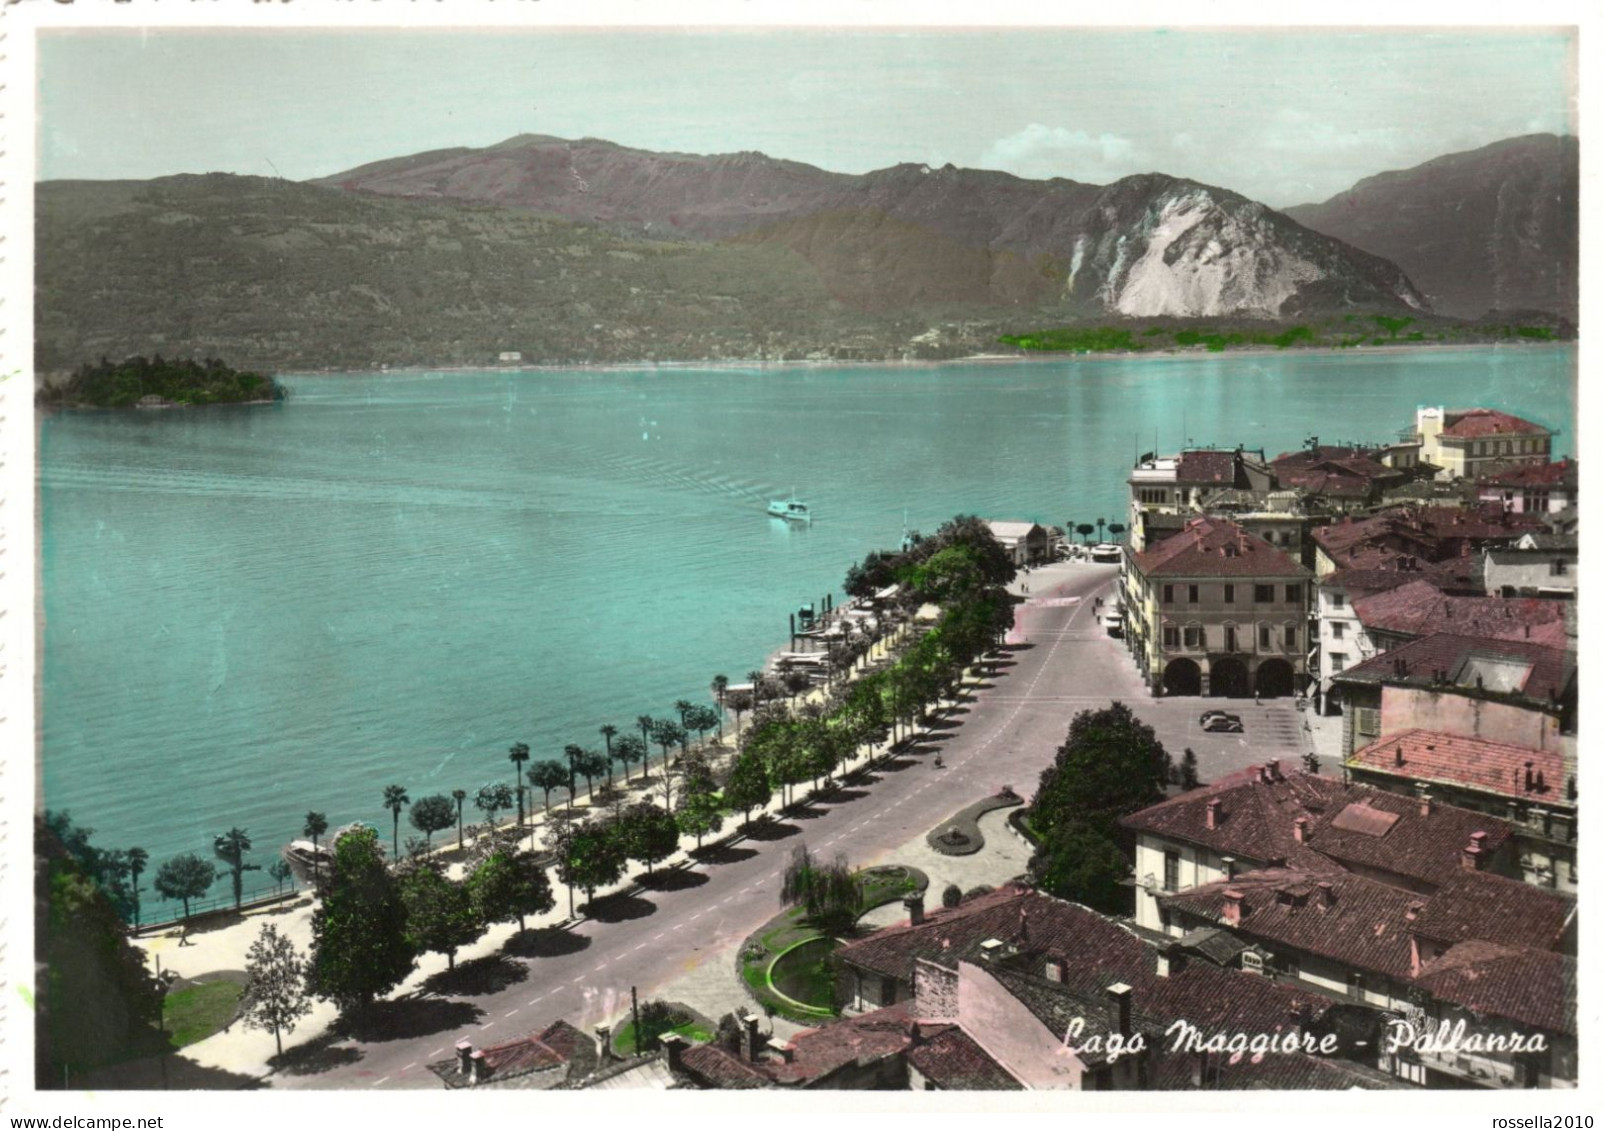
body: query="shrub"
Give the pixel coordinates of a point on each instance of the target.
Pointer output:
(951, 896)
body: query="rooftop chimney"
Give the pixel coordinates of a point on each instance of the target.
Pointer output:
(1426, 805)
(1170, 960)
(1530, 778)
(1299, 829)
(1229, 863)
(1119, 1007)
(464, 1051)
(1327, 893)
(1399, 753)
(1413, 911)
(478, 1070)
(991, 950)
(1470, 858)
(1232, 905)
(786, 1050)
(1213, 813)
(748, 1035)
(603, 1043)
(915, 908)
(1274, 770)
(675, 1044)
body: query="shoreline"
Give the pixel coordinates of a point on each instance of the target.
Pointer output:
(1025, 357)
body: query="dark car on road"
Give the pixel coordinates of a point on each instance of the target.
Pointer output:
(1221, 721)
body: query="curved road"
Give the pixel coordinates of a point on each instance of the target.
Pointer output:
(1062, 662)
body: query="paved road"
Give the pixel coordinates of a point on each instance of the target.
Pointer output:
(1062, 662)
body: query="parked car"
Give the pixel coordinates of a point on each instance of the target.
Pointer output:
(1114, 623)
(1221, 721)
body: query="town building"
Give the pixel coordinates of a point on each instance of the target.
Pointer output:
(1464, 442)
(1415, 956)
(1393, 617)
(1533, 790)
(1535, 565)
(1339, 479)
(1532, 488)
(1167, 490)
(1026, 543)
(1215, 610)
(1264, 817)
(1519, 692)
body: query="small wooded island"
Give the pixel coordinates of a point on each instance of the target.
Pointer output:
(158, 382)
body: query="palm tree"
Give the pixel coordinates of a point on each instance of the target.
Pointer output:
(395, 799)
(720, 686)
(459, 796)
(316, 825)
(756, 678)
(137, 859)
(644, 722)
(1100, 523)
(608, 733)
(230, 848)
(518, 755)
(573, 751)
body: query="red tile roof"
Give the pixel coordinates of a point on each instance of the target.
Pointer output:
(855, 1040)
(1419, 608)
(1534, 988)
(1547, 671)
(1564, 471)
(1475, 422)
(716, 1067)
(526, 1054)
(1475, 763)
(1206, 467)
(1255, 821)
(1366, 926)
(1216, 547)
(1475, 905)
(1096, 952)
(955, 1063)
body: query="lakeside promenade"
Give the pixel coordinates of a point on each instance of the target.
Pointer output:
(677, 941)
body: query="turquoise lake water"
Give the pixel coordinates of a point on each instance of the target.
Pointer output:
(253, 612)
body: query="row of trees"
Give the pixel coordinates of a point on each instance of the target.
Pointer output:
(1085, 529)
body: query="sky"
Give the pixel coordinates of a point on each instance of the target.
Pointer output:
(1283, 116)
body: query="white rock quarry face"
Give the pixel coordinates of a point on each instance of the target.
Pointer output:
(1230, 273)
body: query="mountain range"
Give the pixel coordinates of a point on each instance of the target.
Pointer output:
(570, 251)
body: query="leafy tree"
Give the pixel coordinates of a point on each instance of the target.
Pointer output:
(459, 796)
(608, 733)
(360, 945)
(1188, 770)
(739, 702)
(589, 856)
(628, 750)
(667, 734)
(108, 869)
(830, 894)
(395, 799)
(590, 764)
(316, 825)
(510, 886)
(1079, 862)
(1084, 530)
(431, 814)
(185, 877)
(546, 775)
(701, 718)
(492, 798)
(280, 870)
(275, 995)
(1110, 766)
(95, 998)
(517, 755)
(699, 813)
(1116, 529)
(440, 915)
(648, 833)
(747, 787)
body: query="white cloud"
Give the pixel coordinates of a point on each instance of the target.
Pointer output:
(1052, 151)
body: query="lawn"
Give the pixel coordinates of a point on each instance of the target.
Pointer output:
(623, 1043)
(196, 1012)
